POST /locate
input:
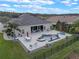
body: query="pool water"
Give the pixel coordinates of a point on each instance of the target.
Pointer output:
(49, 37)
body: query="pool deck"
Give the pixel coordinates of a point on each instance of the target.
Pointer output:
(34, 44)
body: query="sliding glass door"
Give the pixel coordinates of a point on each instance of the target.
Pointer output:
(36, 28)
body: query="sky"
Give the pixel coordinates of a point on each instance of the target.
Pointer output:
(40, 6)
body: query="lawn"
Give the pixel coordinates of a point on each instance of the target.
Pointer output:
(66, 51)
(61, 54)
(11, 50)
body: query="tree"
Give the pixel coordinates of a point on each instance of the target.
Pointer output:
(72, 30)
(58, 25)
(75, 27)
(64, 26)
(76, 23)
(10, 29)
(61, 26)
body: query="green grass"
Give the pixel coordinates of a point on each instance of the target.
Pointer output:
(61, 54)
(11, 50)
(66, 51)
(54, 45)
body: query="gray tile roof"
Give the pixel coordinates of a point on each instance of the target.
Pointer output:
(27, 19)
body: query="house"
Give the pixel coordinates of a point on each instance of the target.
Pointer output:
(1, 27)
(30, 24)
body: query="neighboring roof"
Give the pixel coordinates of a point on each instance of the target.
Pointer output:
(27, 19)
(68, 19)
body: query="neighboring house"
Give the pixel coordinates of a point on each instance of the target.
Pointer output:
(69, 19)
(1, 27)
(30, 24)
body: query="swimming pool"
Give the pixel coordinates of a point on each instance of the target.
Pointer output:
(48, 37)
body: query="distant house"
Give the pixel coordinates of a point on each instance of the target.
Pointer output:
(30, 24)
(1, 27)
(69, 19)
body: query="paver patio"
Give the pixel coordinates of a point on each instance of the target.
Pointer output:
(34, 44)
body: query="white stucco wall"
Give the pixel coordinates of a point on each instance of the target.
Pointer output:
(28, 28)
(25, 28)
(47, 27)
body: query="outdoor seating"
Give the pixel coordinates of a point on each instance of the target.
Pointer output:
(27, 38)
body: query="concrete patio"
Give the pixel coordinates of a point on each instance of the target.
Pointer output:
(33, 44)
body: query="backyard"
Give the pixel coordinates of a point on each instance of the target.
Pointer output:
(13, 50)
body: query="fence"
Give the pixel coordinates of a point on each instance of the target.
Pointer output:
(52, 51)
